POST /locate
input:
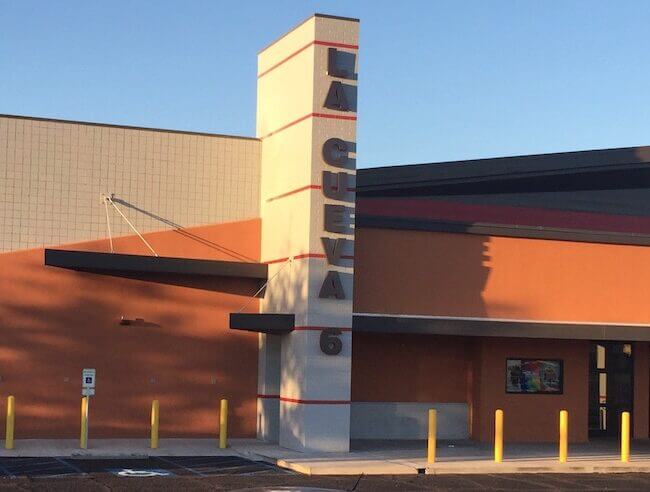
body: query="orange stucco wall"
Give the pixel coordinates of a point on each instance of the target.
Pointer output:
(54, 322)
(470, 275)
(407, 368)
(443, 369)
(427, 273)
(529, 417)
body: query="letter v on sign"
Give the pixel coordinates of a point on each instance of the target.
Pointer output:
(334, 249)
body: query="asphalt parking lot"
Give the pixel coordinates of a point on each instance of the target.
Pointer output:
(236, 473)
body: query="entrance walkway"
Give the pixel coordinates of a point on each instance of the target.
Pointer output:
(459, 457)
(367, 457)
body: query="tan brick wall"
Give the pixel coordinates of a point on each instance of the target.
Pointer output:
(52, 174)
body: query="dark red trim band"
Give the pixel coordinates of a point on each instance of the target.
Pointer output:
(270, 397)
(501, 214)
(334, 116)
(310, 115)
(297, 257)
(319, 43)
(337, 45)
(319, 256)
(292, 192)
(314, 402)
(298, 190)
(320, 328)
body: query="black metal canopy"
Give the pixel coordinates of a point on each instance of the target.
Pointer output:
(114, 263)
(269, 323)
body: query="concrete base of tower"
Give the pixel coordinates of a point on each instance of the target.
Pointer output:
(315, 426)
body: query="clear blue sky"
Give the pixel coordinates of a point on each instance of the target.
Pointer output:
(439, 80)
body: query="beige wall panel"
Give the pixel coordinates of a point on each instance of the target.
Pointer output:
(334, 30)
(278, 106)
(292, 145)
(285, 235)
(295, 39)
(52, 174)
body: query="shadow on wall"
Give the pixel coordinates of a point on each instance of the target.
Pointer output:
(215, 284)
(55, 322)
(420, 273)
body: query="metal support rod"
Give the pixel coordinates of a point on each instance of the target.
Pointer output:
(110, 200)
(108, 224)
(289, 260)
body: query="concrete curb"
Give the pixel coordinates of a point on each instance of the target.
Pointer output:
(512, 468)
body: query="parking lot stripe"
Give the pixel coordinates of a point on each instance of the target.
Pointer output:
(169, 462)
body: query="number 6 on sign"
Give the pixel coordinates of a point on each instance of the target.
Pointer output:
(330, 343)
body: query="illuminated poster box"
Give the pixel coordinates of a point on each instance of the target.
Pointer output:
(534, 376)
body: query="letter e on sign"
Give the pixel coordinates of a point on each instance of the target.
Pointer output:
(338, 218)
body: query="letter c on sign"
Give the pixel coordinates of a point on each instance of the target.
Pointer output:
(330, 343)
(335, 152)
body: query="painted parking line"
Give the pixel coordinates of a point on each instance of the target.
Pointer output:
(36, 467)
(221, 465)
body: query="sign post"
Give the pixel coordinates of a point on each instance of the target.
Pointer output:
(88, 378)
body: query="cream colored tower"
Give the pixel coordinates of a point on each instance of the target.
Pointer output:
(306, 117)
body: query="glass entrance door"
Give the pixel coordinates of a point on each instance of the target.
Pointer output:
(610, 386)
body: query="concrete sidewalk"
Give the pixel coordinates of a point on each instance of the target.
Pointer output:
(366, 457)
(459, 457)
(121, 448)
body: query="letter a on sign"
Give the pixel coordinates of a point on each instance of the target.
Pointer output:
(336, 98)
(332, 287)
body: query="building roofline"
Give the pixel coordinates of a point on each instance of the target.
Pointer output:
(515, 157)
(324, 16)
(501, 167)
(125, 127)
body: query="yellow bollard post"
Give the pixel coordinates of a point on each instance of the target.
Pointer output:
(498, 436)
(223, 425)
(11, 416)
(155, 407)
(625, 437)
(564, 435)
(431, 442)
(83, 438)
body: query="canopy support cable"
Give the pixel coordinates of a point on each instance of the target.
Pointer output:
(287, 262)
(109, 199)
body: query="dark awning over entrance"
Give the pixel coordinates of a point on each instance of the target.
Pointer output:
(483, 327)
(269, 323)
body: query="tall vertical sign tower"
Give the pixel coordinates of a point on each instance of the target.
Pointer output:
(306, 118)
